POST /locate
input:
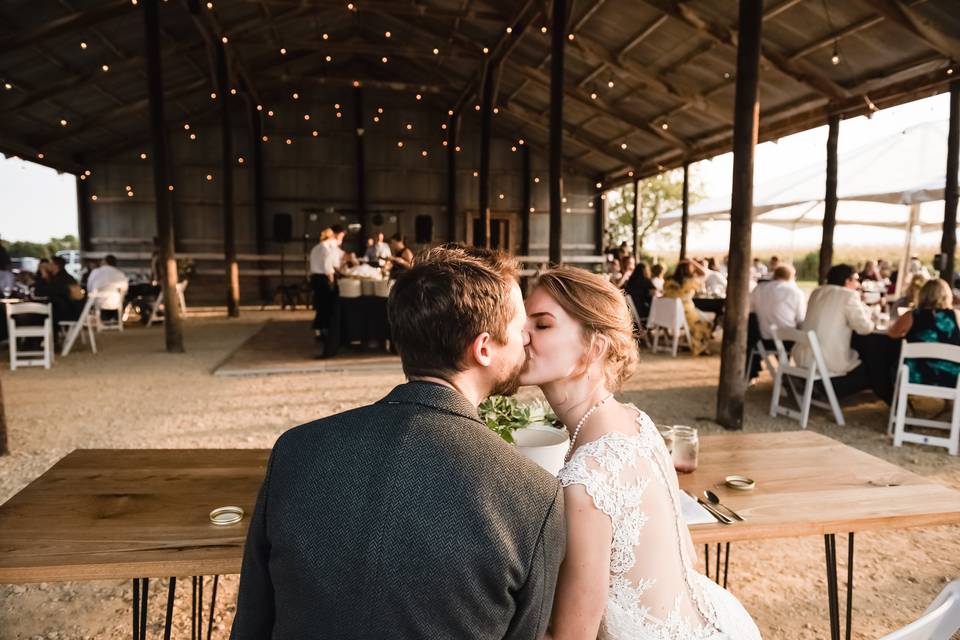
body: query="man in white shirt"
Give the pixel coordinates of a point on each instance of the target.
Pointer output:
(377, 250)
(835, 312)
(714, 282)
(777, 302)
(110, 281)
(325, 260)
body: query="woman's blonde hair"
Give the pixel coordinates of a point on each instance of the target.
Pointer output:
(602, 311)
(935, 294)
(326, 234)
(913, 289)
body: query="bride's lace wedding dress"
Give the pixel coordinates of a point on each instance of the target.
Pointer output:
(655, 592)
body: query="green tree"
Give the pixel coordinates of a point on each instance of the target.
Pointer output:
(24, 249)
(658, 195)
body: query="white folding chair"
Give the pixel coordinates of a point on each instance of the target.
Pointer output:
(666, 316)
(30, 358)
(110, 300)
(760, 351)
(899, 419)
(633, 310)
(940, 621)
(181, 288)
(815, 372)
(75, 327)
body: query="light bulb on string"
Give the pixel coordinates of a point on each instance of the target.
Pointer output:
(436, 51)
(210, 6)
(143, 156)
(315, 133)
(835, 58)
(105, 68)
(610, 83)
(593, 95)
(295, 95)
(224, 39)
(83, 45)
(400, 144)
(329, 58)
(87, 173)
(209, 177)
(233, 92)
(379, 109)
(419, 97)
(543, 29)
(325, 36)
(7, 86)
(476, 174)
(40, 155)
(384, 60)
(213, 95)
(288, 141)
(387, 34)
(424, 153)
(283, 51)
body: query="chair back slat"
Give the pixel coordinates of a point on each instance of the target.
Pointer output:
(937, 350)
(21, 308)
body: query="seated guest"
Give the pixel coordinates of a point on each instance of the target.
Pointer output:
(614, 274)
(777, 302)
(834, 312)
(656, 277)
(758, 270)
(641, 289)
(684, 284)
(910, 294)
(377, 250)
(63, 291)
(628, 265)
(108, 278)
(714, 282)
(402, 258)
(934, 320)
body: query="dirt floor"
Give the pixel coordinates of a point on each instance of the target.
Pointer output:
(134, 395)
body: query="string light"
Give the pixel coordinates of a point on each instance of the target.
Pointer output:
(629, 174)
(443, 126)
(376, 118)
(224, 40)
(339, 114)
(143, 156)
(502, 196)
(336, 105)
(436, 51)
(83, 45)
(7, 86)
(379, 109)
(476, 174)
(387, 34)
(193, 136)
(726, 75)
(259, 106)
(240, 160)
(664, 126)
(486, 51)
(570, 36)
(315, 133)
(288, 141)
(210, 6)
(563, 200)
(409, 126)
(400, 144)
(476, 107)
(213, 95)
(209, 177)
(128, 188)
(593, 95)
(419, 97)
(329, 58)
(424, 153)
(520, 141)
(835, 58)
(532, 210)
(509, 29)
(950, 71)
(233, 92)
(105, 68)
(590, 204)
(610, 83)
(513, 148)
(326, 36)
(87, 173)
(350, 6)
(283, 51)
(169, 187)
(306, 116)
(457, 148)
(94, 197)
(63, 122)
(265, 138)
(384, 59)
(450, 112)
(186, 126)
(599, 185)
(543, 29)
(295, 95)
(536, 179)
(83, 177)
(356, 84)
(270, 113)
(444, 143)
(623, 145)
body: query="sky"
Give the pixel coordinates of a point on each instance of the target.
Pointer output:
(37, 203)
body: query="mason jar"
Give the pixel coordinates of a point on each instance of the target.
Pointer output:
(666, 432)
(686, 449)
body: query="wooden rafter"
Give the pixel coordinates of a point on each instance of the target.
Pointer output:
(65, 24)
(408, 9)
(902, 14)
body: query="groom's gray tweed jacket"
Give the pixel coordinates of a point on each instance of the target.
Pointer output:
(407, 518)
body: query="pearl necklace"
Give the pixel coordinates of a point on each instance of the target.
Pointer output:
(576, 432)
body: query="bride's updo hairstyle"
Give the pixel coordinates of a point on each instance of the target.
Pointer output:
(602, 311)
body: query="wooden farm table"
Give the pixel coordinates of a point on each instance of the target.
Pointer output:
(132, 514)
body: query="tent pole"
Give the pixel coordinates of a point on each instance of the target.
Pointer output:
(948, 243)
(685, 218)
(558, 39)
(732, 386)
(829, 200)
(912, 219)
(486, 110)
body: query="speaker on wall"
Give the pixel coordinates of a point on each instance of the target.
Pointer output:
(423, 227)
(282, 227)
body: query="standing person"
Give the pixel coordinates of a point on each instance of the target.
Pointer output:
(409, 518)
(6, 271)
(402, 258)
(629, 571)
(325, 260)
(687, 279)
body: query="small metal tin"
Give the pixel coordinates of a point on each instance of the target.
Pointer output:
(223, 516)
(739, 483)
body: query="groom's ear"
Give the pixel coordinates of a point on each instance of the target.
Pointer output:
(478, 352)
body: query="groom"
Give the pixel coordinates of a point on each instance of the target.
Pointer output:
(409, 518)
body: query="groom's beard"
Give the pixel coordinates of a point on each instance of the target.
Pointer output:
(509, 385)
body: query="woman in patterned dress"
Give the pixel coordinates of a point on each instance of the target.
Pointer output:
(686, 280)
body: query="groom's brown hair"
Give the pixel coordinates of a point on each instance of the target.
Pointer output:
(450, 296)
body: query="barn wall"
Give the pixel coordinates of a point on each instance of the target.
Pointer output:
(313, 178)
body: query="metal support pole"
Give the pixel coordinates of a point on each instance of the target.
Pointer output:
(558, 40)
(173, 314)
(948, 243)
(486, 111)
(636, 218)
(84, 221)
(453, 124)
(732, 386)
(685, 215)
(361, 171)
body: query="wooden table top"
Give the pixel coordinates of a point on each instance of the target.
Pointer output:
(105, 514)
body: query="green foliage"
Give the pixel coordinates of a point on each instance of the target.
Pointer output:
(658, 195)
(25, 249)
(503, 415)
(808, 267)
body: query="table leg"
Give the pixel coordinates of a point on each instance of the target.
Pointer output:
(171, 593)
(213, 606)
(833, 589)
(726, 565)
(140, 607)
(136, 609)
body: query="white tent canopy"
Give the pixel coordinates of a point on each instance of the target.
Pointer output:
(903, 169)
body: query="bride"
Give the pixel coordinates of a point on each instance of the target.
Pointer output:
(629, 567)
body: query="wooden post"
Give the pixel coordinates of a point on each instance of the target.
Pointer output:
(259, 213)
(635, 226)
(526, 199)
(685, 216)
(732, 385)
(172, 314)
(486, 111)
(829, 200)
(4, 449)
(599, 218)
(361, 170)
(948, 243)
(453, 123)
(84, 222)
(557, 42)
(226, 182)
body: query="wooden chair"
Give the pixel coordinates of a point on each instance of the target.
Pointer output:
(940, 621)
(815, 372)
(904, 388)
(30, 358)
(667, 317)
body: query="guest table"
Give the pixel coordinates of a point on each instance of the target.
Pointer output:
(134, 514)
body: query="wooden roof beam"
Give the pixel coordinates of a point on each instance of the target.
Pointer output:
(73, 22)
(797, 70)
(408, 9)
(902, 14)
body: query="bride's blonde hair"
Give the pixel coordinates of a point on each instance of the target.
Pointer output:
(602, 312)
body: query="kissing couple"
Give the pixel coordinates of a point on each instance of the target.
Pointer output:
(409, 518)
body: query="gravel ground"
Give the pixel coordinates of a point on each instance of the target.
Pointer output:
(134, 395)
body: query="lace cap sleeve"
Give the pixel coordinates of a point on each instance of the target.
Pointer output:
(586, 468)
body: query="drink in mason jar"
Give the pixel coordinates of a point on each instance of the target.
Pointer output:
(686, 449)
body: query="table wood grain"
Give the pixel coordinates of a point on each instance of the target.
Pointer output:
(106, 514)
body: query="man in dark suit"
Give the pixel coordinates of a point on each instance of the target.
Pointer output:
(409, 518)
